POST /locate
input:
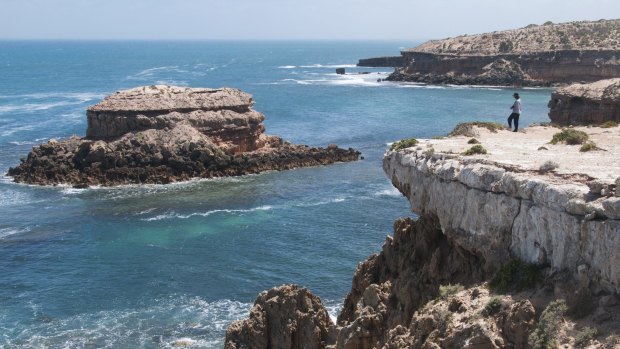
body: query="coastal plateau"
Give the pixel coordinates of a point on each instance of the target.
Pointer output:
(537, 55)
(163, 134)
(516, 246)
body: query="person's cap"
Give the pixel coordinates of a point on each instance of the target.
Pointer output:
(515, 94)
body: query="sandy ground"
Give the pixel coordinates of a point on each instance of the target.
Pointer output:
(522, 149)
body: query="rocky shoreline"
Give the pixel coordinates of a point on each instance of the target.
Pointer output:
(537, 55)
(500, 249)
(163, 134)
(586, 104)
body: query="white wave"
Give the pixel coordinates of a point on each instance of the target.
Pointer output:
(174, 215)
(22, 143)
(329, 66)
(388, 192)
(172, 82)
(15, 129)
(168, 323)
(6, 232)
(323, 202)
(151, 72)
(82, 96)
(287, 67)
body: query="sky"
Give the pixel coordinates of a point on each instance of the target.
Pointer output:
(283, 19)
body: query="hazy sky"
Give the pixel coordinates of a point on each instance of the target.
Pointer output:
(280, 19)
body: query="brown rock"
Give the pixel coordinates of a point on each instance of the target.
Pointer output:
(162, 134)
(284, 317)
(593, 103)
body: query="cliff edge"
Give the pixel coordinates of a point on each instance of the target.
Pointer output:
(163, 134)
(594, 103)
(537, 55)
(515, 247)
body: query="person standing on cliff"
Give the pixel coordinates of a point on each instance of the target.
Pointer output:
(516, 112)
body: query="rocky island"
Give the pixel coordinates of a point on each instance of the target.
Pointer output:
(516, 246)
(537, 55)
(163, 134)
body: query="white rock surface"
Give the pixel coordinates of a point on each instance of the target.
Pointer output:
(497, 211)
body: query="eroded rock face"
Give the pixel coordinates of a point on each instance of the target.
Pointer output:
(225, 115)
(389, 287)
(496, 211)
(537, 55)
(580, 104)
(284, 317)
(162, 134)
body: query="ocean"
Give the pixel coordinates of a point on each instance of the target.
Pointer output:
(160, 266)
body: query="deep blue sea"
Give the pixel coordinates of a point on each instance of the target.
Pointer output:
(160, 266)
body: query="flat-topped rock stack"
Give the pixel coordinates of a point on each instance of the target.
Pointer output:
(594, 103)
(162, 134)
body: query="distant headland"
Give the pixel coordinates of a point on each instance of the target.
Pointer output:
(537, 55)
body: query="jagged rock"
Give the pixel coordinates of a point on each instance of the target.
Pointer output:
(535, 55)
(285, 317)
(389, 287)
(162, 134)
(593, 103)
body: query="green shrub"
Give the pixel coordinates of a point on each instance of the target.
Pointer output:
(449, 289)
(506, 46)
(569, 136)
(587, 146)
(476, 149)
(546, 331)
(493, 306)
(473, 141)
(516, 275)
(404, 143)
(584, 336)
(609, 124)
(467, 128)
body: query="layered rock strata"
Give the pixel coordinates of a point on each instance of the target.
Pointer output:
(496, 209)
(532, 56)
(579, 104)
(479, 217)
(162, 134)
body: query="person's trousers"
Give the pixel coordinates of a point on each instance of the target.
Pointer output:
(515, 117)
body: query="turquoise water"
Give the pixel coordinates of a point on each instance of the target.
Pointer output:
(148, 266)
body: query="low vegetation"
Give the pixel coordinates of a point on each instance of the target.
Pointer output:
(585, 336)
(546, 333)
(548, 166)
(493, 306)
(588, 146)
(449, 290)
(569, 136)
(476, 149)
(467, 128)
(517, 276)
(473, 141)
(404, 143)
(609, 124)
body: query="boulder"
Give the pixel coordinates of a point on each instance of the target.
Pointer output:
(284, 317)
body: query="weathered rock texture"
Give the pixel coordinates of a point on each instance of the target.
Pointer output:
(496, 211)
(593, 103)
(162, 134)
(478, 216)
(389, 61)
(282, 318)
(531, 56)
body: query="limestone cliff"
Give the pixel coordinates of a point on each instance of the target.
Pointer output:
(504, 253)
(594, 103)
(537, 55)
(162, 134)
